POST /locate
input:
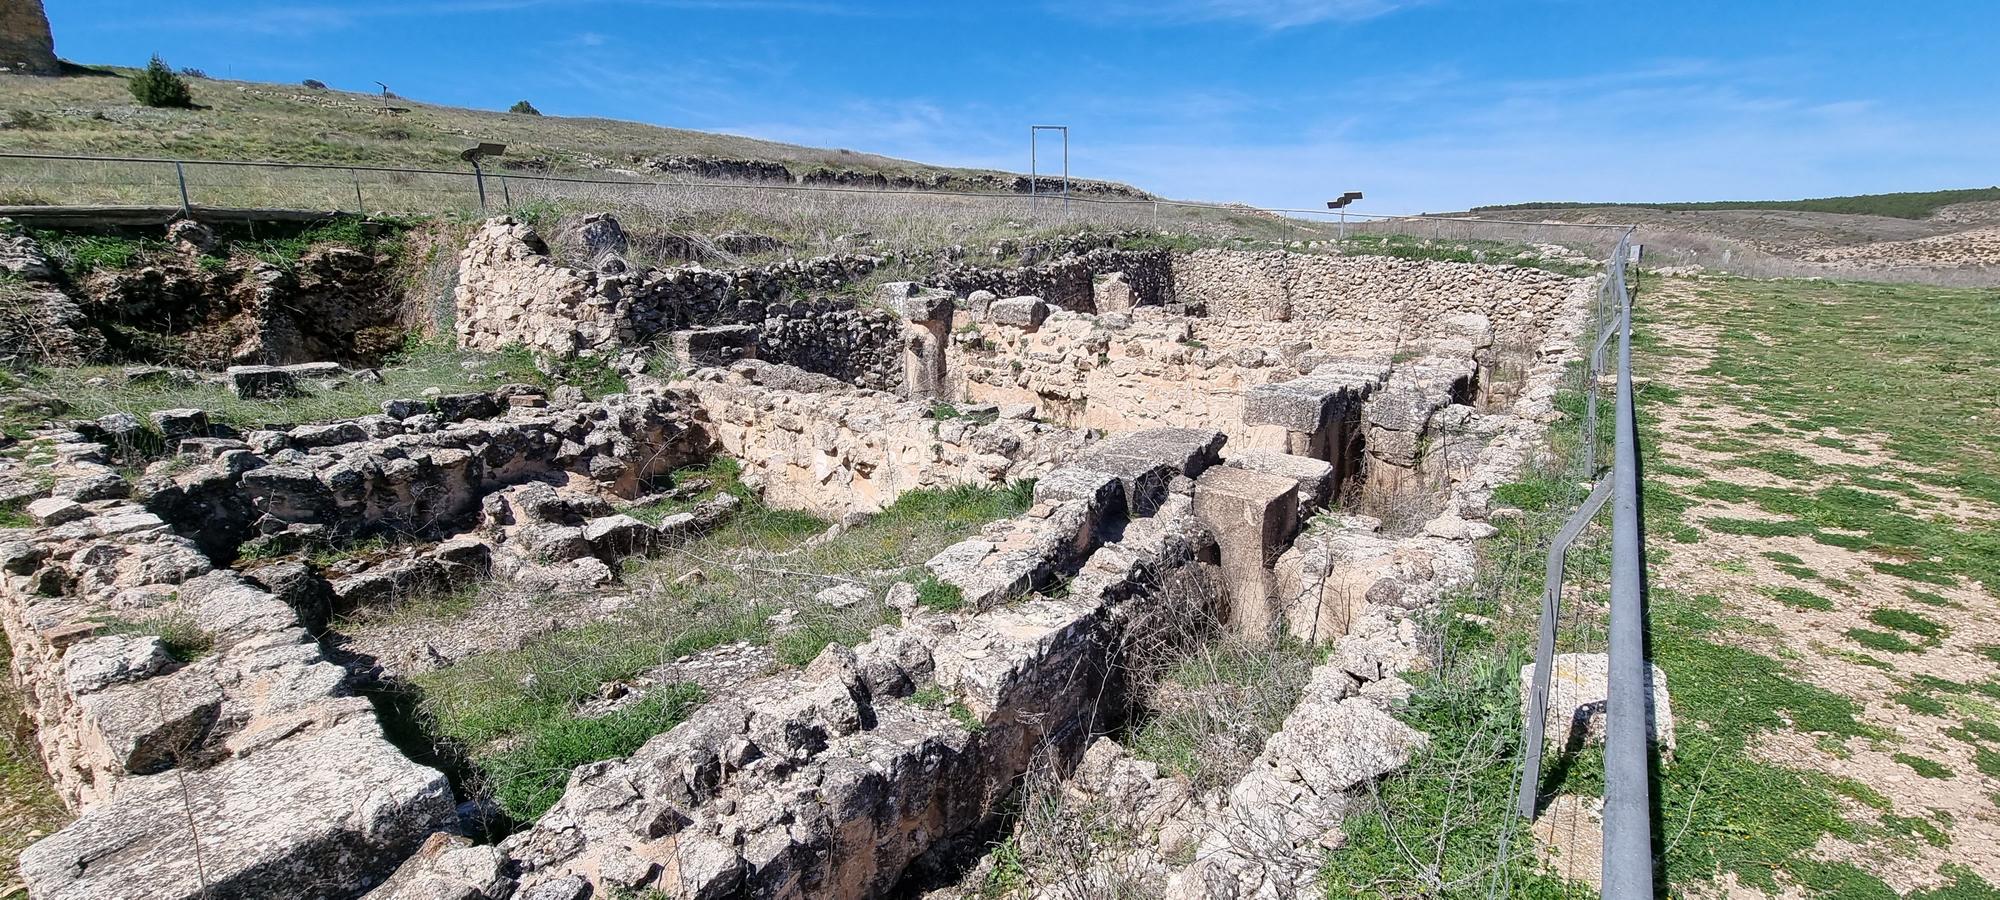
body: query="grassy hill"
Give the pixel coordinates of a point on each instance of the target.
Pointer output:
(91, 112)
(1907, 205)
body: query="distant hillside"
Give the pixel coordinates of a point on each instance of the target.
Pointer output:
(90, 112)
(1910, 205)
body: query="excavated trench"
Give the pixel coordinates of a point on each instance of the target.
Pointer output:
(1191, 623)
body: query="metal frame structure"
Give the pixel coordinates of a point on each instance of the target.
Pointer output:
(1628, 870)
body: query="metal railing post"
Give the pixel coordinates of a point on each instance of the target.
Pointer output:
(360, 207)
(180, 174)
(506, 197)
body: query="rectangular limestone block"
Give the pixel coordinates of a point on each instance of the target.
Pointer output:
(1018, 312)
(1314, 477)
(1303, 404)
(1252, 515)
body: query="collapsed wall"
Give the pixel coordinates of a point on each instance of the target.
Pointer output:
(513, 293)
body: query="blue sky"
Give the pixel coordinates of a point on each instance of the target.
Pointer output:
(1424, 104)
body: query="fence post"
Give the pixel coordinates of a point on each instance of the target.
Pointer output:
(360, 207)
(506, 197)
(180, 174)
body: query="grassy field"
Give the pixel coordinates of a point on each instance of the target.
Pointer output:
(1819, 462)
(92, 113)
(1906, 205)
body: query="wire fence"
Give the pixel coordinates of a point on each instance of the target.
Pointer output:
(192, 187)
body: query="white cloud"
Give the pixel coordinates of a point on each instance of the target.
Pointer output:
(1273, 14)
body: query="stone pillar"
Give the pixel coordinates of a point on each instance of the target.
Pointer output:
(926, 316)
(1253, 516)
(26, 45)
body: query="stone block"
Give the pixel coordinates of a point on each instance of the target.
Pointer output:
(177, 424)
(261, 382)
(722, 345)
(1018, 312)
(53, 511)
(1112, 293)
(460, 407)
(1313, 476)
(1302, 405)
(1579, 684)
(1253, 516)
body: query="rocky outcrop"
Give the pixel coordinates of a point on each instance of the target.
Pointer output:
(26, 45)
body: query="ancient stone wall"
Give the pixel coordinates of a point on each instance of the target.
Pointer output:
(248, 746)
(820, 445)
(1374, 298)
(513, 292)
(1068, 281)
(26, 45)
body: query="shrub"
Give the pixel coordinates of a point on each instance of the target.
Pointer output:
(524, 108)
(159, 86)
(314, 84)
(192, 72)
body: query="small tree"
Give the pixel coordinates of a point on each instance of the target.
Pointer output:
(159, 86)
(314, 84)
(524, 108)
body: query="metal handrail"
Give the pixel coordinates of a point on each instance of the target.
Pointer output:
(1628, 814)
(1628, 870)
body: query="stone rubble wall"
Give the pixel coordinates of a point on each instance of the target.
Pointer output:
(817, 444)
(833, 781)
(513, 292)
(1069, 281)
(1376, 299)
(252, 751)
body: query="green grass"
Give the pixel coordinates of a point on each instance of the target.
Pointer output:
(1925, 767)
(529, 778)
(184, 640)
(1903, 205)
(1887, 642)
(1906, 621)
(1800, 599)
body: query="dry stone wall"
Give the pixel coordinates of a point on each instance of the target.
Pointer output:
(1375, 298)
(817, 444)
(513, 292)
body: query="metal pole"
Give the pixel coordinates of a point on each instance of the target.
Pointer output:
(506, 196)
(1156, 215)
(1343, 226)
(1065, 132)
(1545, 648)
(1628, 825)
(359, 206)
(1034, 174)
(180, 174)
(480, 177)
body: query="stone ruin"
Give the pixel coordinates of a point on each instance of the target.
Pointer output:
(1214, 414)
